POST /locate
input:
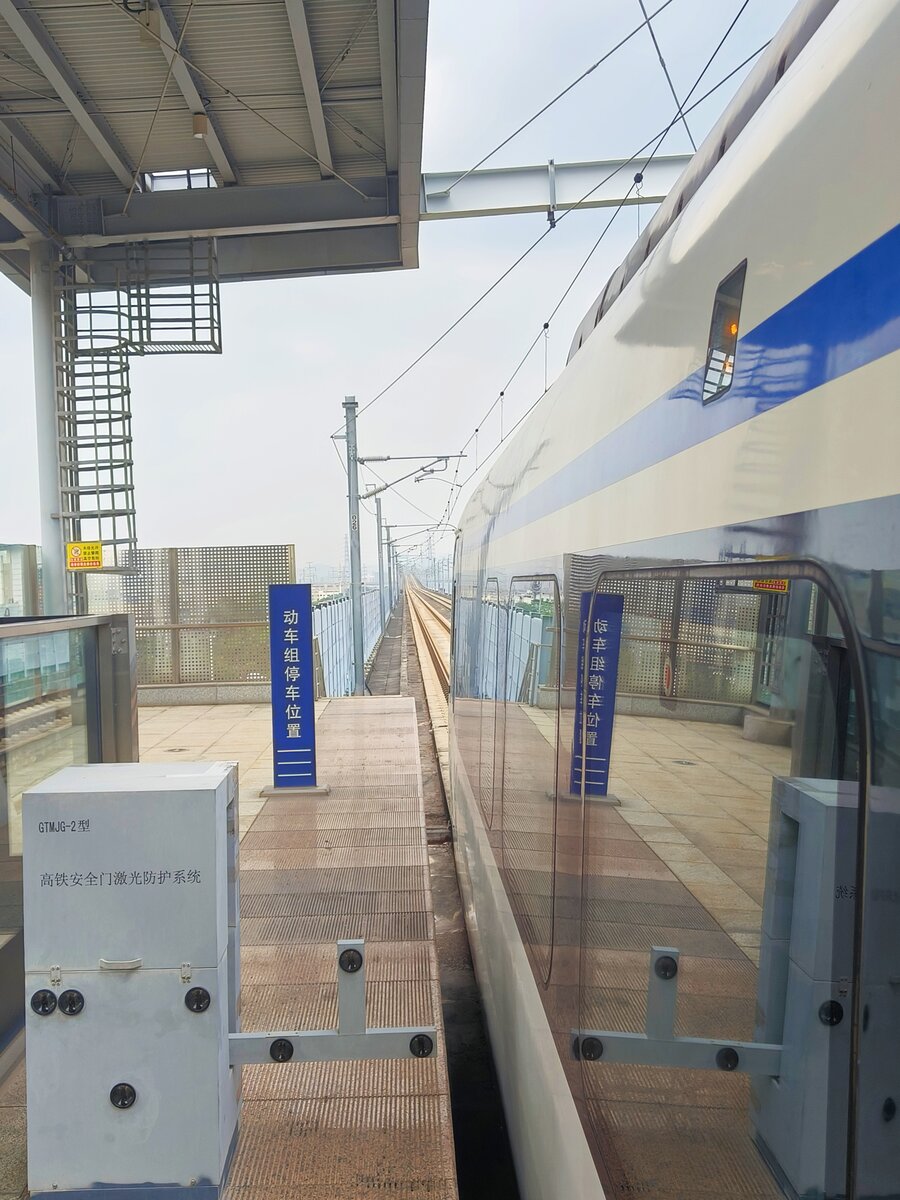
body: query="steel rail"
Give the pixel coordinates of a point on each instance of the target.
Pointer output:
(431, 628)
(430, 621)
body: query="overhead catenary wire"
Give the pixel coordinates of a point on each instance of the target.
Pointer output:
(399, 494)
(584, 74)
(457, 489)
(543, 332)
(562, 216)
(662, 63)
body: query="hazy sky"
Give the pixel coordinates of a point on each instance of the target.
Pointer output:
(236, 448)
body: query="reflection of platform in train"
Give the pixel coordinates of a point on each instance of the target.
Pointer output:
(679, 862)
(694, 804)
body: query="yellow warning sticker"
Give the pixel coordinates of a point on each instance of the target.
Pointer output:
(770, 585)
(84, 556)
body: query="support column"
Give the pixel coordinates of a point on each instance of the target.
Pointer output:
(53, 551)
(359, 666)
(380, 563)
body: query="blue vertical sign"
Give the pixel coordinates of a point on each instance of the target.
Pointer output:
(293, 689)
(599, 636)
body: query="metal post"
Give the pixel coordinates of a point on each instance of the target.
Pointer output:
(174, 614)
(390, 569)
(53, 558)
(380, 562)
(359, 666)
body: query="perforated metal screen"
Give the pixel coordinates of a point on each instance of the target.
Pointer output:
(707, 628)
(200, 612)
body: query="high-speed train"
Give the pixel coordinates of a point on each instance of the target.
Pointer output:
(675, 731)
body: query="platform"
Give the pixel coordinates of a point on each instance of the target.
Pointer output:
(350, 864)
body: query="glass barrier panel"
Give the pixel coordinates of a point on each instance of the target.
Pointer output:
(729, 836)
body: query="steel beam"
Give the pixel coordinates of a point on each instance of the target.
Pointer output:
(21, 182)
(27, 222)
(387, 50)
(48, 58)
(28, 153)
(313, 1045)
(698, 1054)
(411, 38)
(14, 266)
(551, 187)
(183, 77)
(380, 563)
(320, 252)
(658, 1046)
(309, 79)
(228, 212)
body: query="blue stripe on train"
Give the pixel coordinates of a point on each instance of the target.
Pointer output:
(849, 318)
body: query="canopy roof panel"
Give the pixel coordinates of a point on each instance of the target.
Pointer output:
(304, 115)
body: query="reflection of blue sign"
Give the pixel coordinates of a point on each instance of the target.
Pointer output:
(599, 634)
(293, 693)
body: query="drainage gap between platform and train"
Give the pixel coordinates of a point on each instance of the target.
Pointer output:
(484, 1163)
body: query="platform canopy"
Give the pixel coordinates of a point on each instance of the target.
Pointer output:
(290, 130)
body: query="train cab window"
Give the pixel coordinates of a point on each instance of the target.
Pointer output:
(723, 335)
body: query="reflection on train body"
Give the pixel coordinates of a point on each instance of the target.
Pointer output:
(730, 839)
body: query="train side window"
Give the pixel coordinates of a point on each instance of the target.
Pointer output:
(723, 335)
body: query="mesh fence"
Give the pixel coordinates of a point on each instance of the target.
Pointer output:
(201, 616)
(200, 612)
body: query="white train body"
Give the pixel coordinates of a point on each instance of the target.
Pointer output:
(622, 467)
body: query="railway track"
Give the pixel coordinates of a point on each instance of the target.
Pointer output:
(429, 615)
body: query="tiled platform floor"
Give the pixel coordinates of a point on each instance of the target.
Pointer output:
(239, 733)
(352, 864)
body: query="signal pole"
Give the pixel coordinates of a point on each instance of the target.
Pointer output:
(390, 569)
(380, 561)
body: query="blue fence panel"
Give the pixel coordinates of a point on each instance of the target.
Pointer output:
(332, 627)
